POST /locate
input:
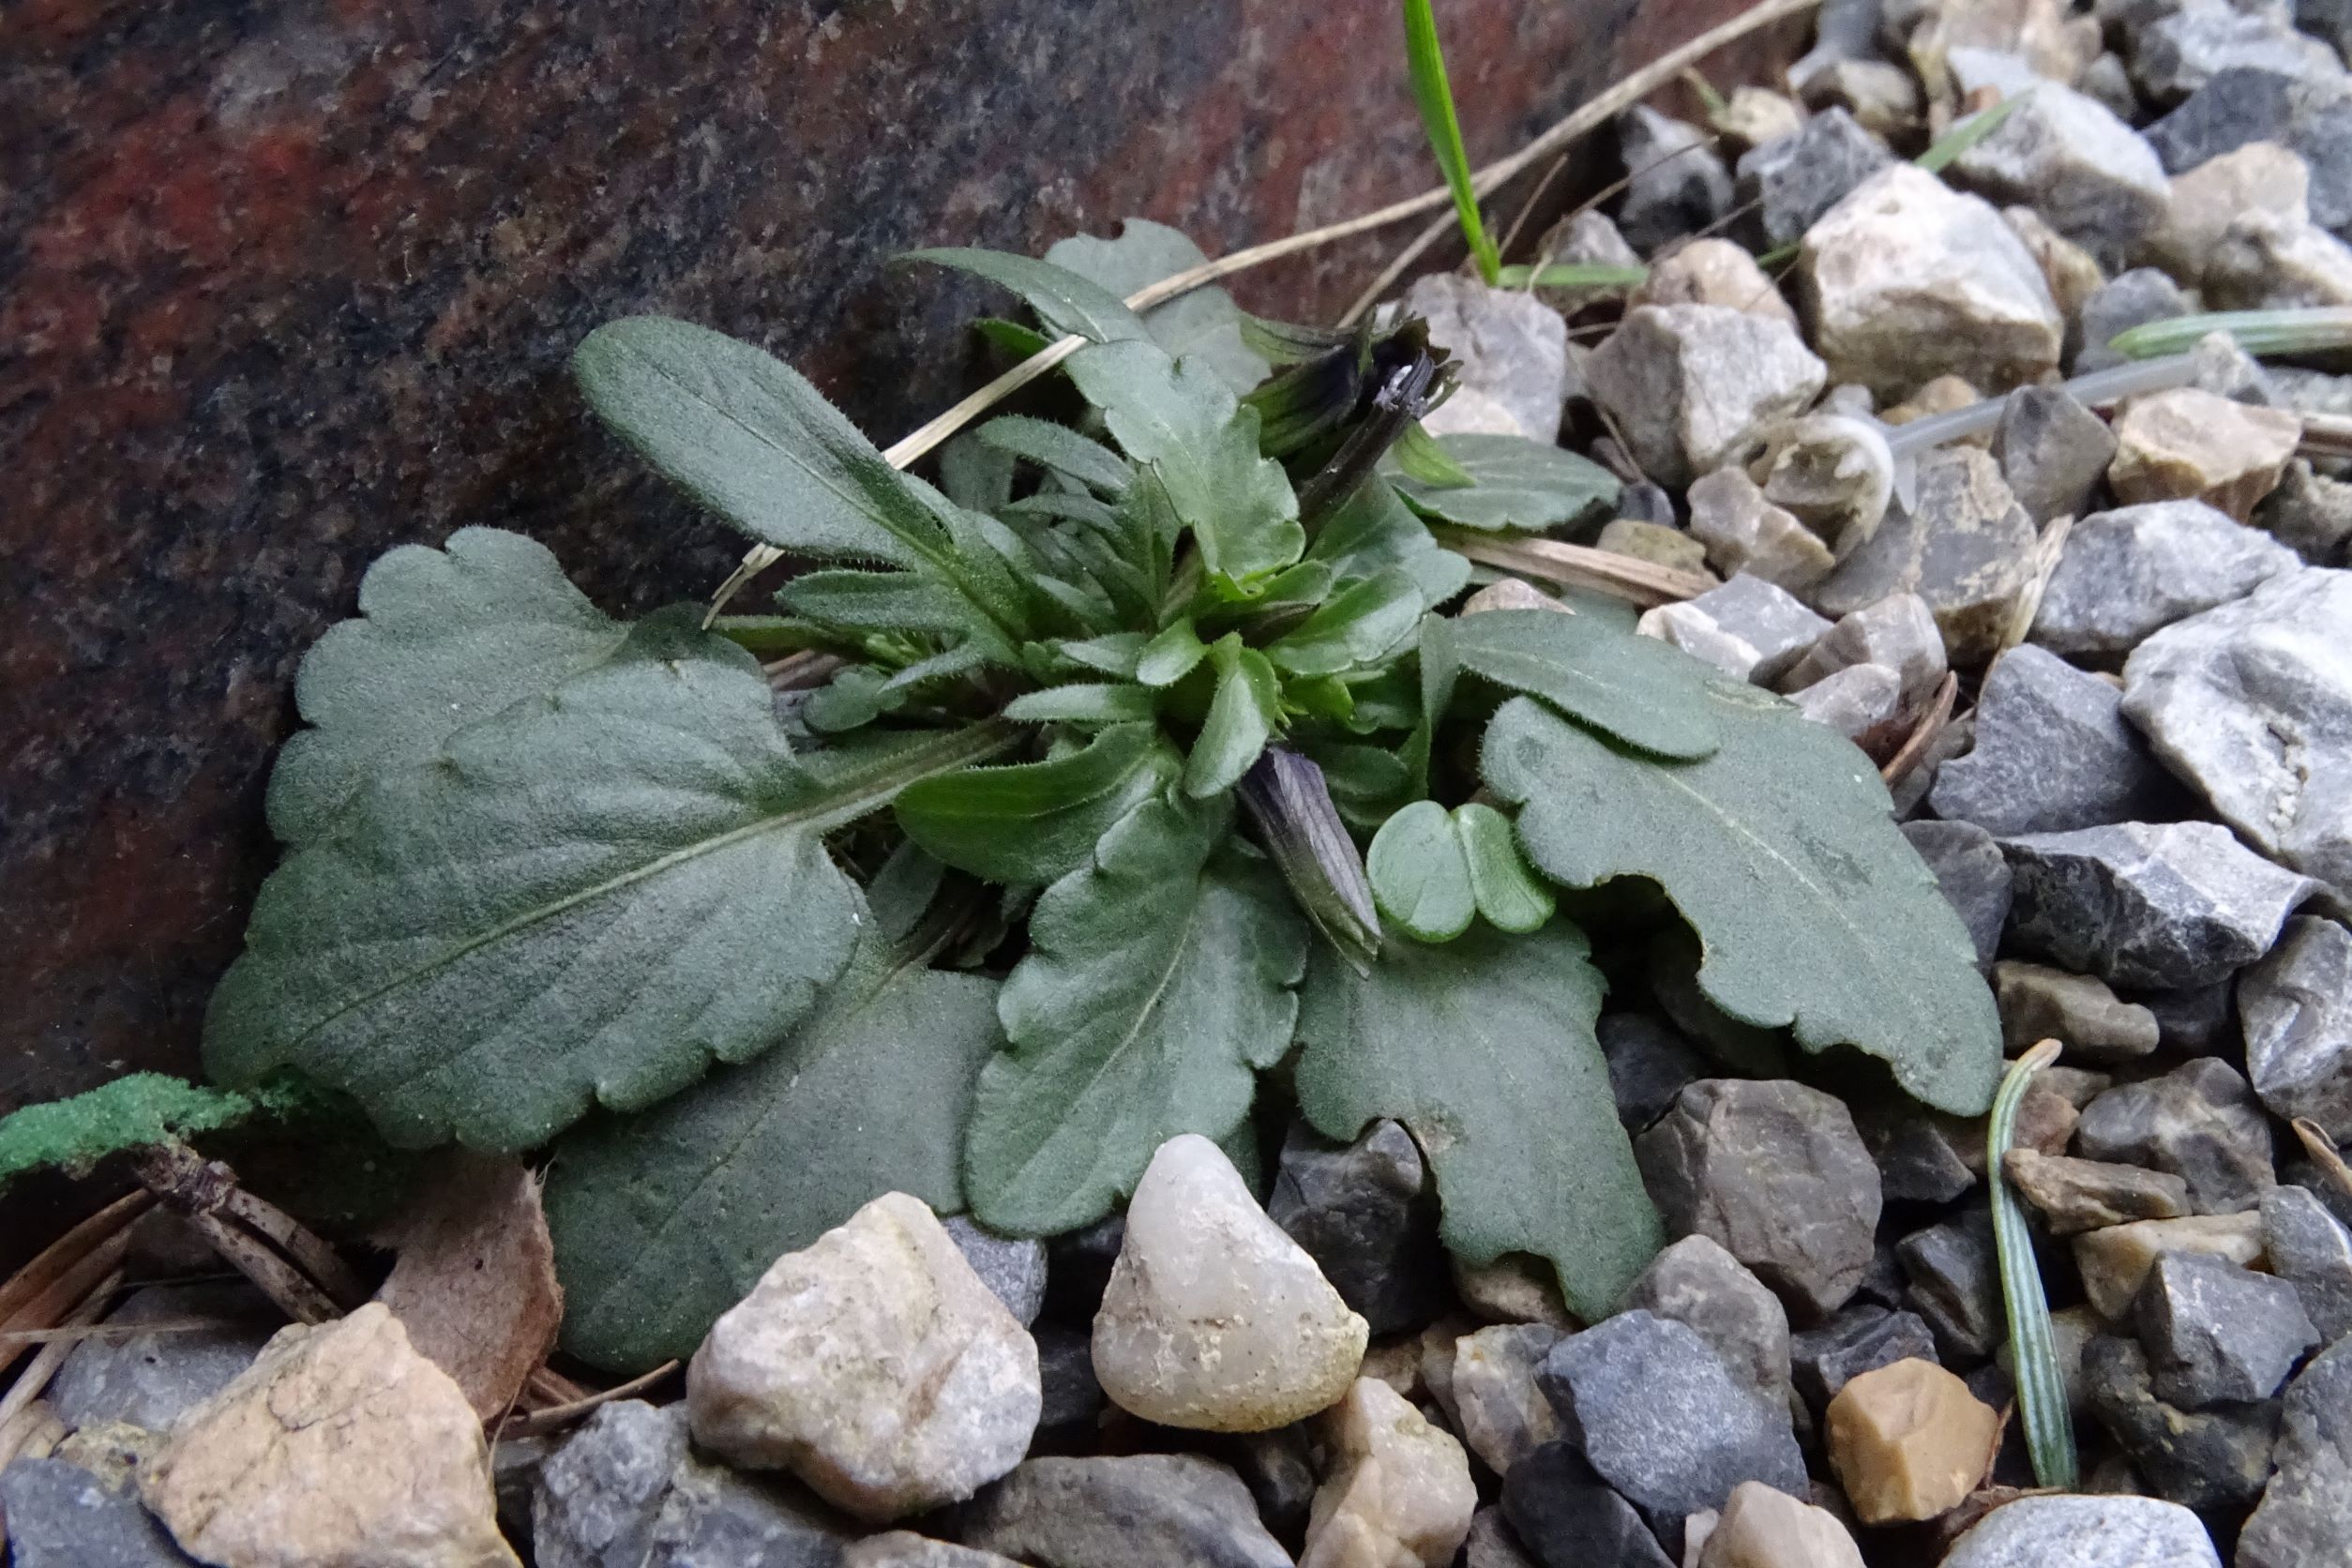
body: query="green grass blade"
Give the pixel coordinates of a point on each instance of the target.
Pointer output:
(1435, 100)
(2040, 1389)
(2305, 331)
(1967, 134)
(1572, 275)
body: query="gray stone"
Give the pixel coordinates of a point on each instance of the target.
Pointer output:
(1505, 342)
(2091, 177)
(60, 1516)
(1071, 1396)
(1173, 1509)
(2258, 177)
(904, 1548)
(2309, 513)
(2311, 1250)
(1492, 1545)
(1645, 502)
(2131, 299)
(1012, 1267)
(1665, 1422)
(1853, 701)
(1861, 1337)
(2241, 105)
(2297, 1004)
(1077, 1267)
(2214, 1461)
(1964, 546)
(2251, 702)
(1367, 1215)
(1906, 280)
(2216, 1333)
(1692, 386)
(1278, 1468)
(1917, 1162)
(2278, 262)
(2218, 365)
(1587, 239)
(2053, 451)
(1794, 179)
(1769, 619)
(1691, 629)
(1676, 184)
(2039, 1003)
(2163, 906)
(2071, 273)
(1774, 1173)
(1973, 874)
(2182, 52)
(1957, 1287)
(2052, 753)
(1898, 633)
(623, 1490)
(2076, 1196)
(1500, 1413)
(2106, 83)
(1714, 271)
(149, 1380)
(2128, 573)
(1745, 534)
(2331, 20)
(2085, 1532)
(1697, 1284)
(2199, 1022)
(2198, 1122)
(1568, 1517)
(2305, 1518)
(1650, 1061)
(1833, 471)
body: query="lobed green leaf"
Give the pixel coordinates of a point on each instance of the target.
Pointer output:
(1202, 322)
(1637, 689)
(1531, 486)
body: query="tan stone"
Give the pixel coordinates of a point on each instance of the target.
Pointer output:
(1511, 593)
(2260, 176)
(873, 1364)
(1400, 1493)
(1761, 1527)
(2116, 1259)
(2072, 272)
(1714, 272)
(1395, 1363)
(1908, 1440)
(2076, 1196)
(1754, 116)
(2188, 445)
(1745, 532)
(1497, 1409)
(340, 1447)
(1942, 395)
(1516, 1287)
(1653, 542)
(1215, 1319)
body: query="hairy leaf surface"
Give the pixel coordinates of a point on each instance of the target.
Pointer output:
(1781, 851)
(1243, 716)
(664, 1220)
(587, 898)
(1034, 822)
(1636, 688)
(1059, 448)
(1158, 982)
(444, 637)
(1182, 421)
(1483, 1048)
(1202, 323)
(1515, 483)
(1373, 530)
(1064, 300)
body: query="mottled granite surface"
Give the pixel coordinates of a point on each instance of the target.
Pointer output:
(282, 285)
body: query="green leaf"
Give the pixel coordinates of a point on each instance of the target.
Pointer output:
(1574, 274)
(1419, 457)
(444, 637)
(1243, 716)
(1059, 448)
(1636, 688)
(1965, 134)
(136, 1112)
(663, 1221)
(1483, 1048)
(1374, 530)
(745, 435)
(1781, 852)
(1158, 982)
(1508, 895)
(1115, 654)
(876, 602)
(1083, 703)
(1064, 300)
(1171, 655)
(976, 476)
(1358, 625)
(1201, 324)
(1012, 336)
(1435, 100)
(1419, 877)
(587, 898)
(1516, 483)
(1037, 822)
(1184, 422)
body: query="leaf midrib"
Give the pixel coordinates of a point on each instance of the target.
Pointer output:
(852, 795)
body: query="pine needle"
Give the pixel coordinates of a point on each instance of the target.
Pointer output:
(2041, 1388)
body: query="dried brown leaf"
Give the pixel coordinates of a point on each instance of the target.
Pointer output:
(475, 1281)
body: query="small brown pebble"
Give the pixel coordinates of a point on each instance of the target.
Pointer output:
(1909, 1442)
